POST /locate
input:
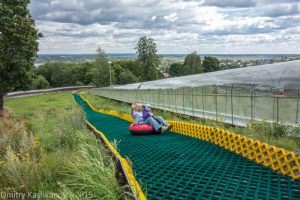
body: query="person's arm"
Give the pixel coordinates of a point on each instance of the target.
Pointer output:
(133, 105)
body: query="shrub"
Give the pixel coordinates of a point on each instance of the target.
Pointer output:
(40, 82)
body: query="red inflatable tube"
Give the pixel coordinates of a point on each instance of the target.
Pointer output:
(141, 129)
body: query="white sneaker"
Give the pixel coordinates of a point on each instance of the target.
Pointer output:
(164, 129)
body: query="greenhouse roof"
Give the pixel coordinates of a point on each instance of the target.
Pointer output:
(284, 75)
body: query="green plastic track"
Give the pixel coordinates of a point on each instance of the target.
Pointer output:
(173, 166)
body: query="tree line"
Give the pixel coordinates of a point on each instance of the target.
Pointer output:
(57, 74)
(101, 72)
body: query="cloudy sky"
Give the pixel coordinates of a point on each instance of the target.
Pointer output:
(177, 26)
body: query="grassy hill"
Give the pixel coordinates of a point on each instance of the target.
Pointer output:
(46, 149)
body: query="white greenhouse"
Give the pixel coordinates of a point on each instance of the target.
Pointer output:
(236, 96)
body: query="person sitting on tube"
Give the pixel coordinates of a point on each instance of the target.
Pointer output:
(157, 122)
(136, 113)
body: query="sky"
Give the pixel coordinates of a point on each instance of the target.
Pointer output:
(177, 26)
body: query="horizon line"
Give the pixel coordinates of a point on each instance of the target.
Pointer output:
(176, 53)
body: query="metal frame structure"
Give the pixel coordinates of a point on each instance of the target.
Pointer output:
(236, 96)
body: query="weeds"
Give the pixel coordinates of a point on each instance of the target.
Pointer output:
(91, 173)
(49, 149)
(57, 130)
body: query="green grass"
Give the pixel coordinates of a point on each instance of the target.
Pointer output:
(273, 134)
(31, 105)
(45, 146)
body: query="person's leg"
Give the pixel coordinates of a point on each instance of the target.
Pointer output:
(161, 120)
(154, 123)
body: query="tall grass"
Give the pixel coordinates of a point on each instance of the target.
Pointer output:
(57, 128)
(91, 173)
(49, 149)
(19, 155)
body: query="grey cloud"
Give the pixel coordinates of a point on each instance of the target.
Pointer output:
(268, 2)
(230, 3)
(244, 30)
(285, 22)
(77, 11)
(123, 21)
(89, 12)
(282, 10)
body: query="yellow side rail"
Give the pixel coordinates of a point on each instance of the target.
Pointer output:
(278, 159)
(124, 164)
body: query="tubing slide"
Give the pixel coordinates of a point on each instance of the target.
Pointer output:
(176, 166)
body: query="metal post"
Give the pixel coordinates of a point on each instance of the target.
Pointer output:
(277, 101)
(153, 96)
(193, 102)
(183, 101)
(239, 102)
(203, 101)
(158, 91)
(226, 100)
(297, 112)
(109, 73)
(176, 100)
(136, 94)
(216, 102)
(169, 97)
(273, 108)
(163, 99)
(251, 103)
(231, 107)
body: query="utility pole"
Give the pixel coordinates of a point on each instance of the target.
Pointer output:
(109, 73)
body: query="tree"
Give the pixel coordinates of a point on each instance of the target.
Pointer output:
(65, 74)
(211, 64)
(176, 69)
(19, 46)
(127, 77)
(104, 75)
(40, 82)
(148, 58)
(133, 65)
(121, 68)
(192, 64)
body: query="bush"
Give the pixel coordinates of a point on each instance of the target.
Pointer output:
(79, 83)
(40, 82)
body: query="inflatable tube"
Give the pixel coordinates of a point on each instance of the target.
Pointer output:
(141, 129)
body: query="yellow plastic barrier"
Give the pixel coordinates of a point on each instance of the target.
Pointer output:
(287, 163)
